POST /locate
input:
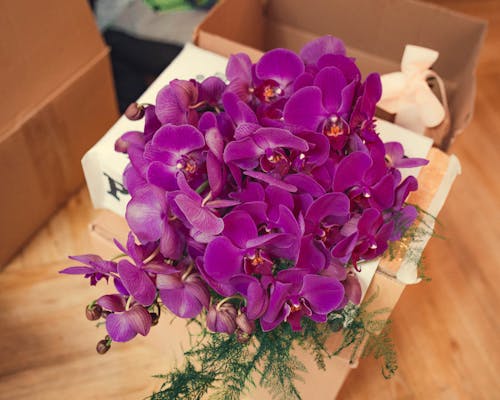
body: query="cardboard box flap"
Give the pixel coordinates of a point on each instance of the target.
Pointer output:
(43, 45)
(243, 22)
(375, 32)
(384, 27)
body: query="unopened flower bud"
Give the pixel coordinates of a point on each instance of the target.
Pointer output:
(103, 345)
(134, 112)
(242, 337)
(244, 324)
(93, 312)
(222, 318)
(155, 318)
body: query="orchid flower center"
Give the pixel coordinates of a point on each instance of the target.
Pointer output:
(263, 229)
(187, 165)
(268, 91)
(325, 231)
(275, 160)
(335, 127)
(295, 307)
(328, 233)
(257, 263)
(299, 161)
(275, 157)
(298, 306)
(271, 93)
(359, 192)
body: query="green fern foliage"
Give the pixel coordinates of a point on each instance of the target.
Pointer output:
(221, 368)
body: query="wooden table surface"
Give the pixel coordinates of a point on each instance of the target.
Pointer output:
(447, 331)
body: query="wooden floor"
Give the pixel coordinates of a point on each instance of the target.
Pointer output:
(447, 332)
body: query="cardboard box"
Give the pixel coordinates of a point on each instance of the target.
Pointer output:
(375, 33)
(57, 100)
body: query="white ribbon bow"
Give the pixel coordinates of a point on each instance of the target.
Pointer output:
(407, 94)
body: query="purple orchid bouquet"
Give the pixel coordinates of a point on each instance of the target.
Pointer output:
(253, 203)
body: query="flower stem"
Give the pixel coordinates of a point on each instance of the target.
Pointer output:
(129, 302)
(226, 299)
(188, 271)
(202, 187)
(153, 255)
(207, 198)
(199, 104)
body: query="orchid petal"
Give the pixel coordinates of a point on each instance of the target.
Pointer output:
(323, 293)
(112, 302)
(200, 217)
(312, 51)
(351, 170)
(137, 282)
(304, 109)
(125, 326)
(280, 65)
(223, 259)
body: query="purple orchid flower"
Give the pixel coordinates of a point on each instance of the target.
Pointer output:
(395, 157)
(176, 103)
(372, 236)
(173, 150)
(271, 80)
(254, 291)
(315, 156)
(364, 106)
(148, 216)
(199, 212)
(244, 251)
(132, 138)
(315, 49)
(323, 221)
(325, 105)
(183, 292)
(239, 74)
(403, 215)
(264, 146)
(123, 324)
(211, 91)
(136, 138)
(95, 268)
(148, 260)
(296, 294)
(137, 282)
(216, 169)
(366, 180)
(277, 69)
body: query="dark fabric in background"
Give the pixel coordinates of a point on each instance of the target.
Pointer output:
(136, 63)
